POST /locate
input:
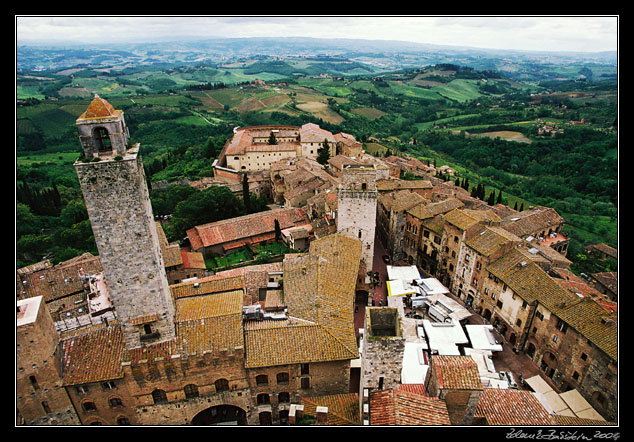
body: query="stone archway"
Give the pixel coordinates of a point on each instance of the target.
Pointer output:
(221, 415)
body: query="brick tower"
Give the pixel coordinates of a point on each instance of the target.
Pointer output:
(115, 192)
(356, 208)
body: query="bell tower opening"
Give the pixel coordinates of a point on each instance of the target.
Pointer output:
(101, 139)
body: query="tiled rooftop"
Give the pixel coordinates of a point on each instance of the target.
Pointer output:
(511, 407)
(243, 227)
(403, 407)
(93, 357)
(456, 372)
(343, 409)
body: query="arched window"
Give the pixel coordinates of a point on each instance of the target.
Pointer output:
(282, 378)
(159, 396)
(222, 385)
(102, 139)
(115, 402)
(122, 420)
(88, 406)
(191, 391)
(262, 379)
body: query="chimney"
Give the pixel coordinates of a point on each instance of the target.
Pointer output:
(295, 413)
(322, 415)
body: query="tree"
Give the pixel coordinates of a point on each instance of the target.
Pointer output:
(272, 139)
(323, 153)
(278, 231)
(245, 193)
(491, 200)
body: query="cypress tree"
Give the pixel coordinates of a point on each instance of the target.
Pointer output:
(245, 193)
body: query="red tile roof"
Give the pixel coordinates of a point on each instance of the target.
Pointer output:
(511, 407)
(403, 407)
(233, 229)
(93, 357)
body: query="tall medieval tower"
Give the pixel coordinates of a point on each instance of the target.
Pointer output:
(117, 199)
(356, 208)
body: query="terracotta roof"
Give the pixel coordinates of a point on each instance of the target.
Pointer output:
(403, 407)
(58, 281)
(99, 108)
(319, 288)
(488, 240)
(384, 185)
(604, 248)
(208, 306)
(401, 200)
(243, 138)
(593, 322)
(511, 407)
(343, 409)
(193, 260)
(577, 421)
(607, 279)
(532, 221)
(292, 344)
(207, 285)
(456, 372)
(93, 357)
(243, 227)
(423, 211)
(312, 133)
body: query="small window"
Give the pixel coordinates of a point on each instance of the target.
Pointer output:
(284, 397)
(282, 378)
(123, 421)
(147, 328)
(191, 391)
(364, 186)
(82, 389)
(263, 399)
(159, 396)
(305, 383)
(89, 406)
(108, 385)
(262, 379)
(304, 369)
(222, 385)
(115, 402)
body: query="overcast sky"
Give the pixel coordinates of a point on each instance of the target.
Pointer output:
(540, 33)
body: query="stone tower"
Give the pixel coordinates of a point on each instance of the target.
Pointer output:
(115, 191)
(356, 208)
(41, 398)
(382, 355)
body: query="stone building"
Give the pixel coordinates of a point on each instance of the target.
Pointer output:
(571, 339)
(40, 397)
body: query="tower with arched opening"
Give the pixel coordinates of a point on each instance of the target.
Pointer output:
(115, 191)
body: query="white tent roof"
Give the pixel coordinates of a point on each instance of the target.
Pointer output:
(482, 338)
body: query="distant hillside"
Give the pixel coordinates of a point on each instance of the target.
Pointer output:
(368, 55)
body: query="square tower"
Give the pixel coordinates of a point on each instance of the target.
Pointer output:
(356, 207)
(115, 191)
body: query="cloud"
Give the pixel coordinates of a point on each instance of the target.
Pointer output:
(525, 33)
